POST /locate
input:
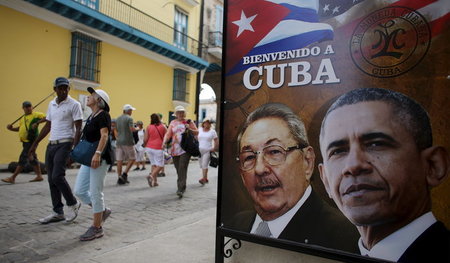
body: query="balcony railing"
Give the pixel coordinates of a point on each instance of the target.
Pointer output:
(215, 39)
(141, 21)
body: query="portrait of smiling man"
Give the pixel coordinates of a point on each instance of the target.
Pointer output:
(379, 164)
(276, 163)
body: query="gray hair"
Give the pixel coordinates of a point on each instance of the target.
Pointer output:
(406, 110)
(280, 111)
(101, 103)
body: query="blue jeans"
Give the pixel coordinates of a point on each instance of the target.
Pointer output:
(89, 186)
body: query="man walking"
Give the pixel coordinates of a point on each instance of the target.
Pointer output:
(64, 117)
(125, 143)
(27, 133)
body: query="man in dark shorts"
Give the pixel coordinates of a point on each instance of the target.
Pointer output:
(28, 131)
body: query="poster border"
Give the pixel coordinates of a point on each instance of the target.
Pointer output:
(223, 232)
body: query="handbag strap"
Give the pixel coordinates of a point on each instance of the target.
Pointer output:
(156, 127)
(88, 120)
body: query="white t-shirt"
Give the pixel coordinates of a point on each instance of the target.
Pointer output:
(62, 116)
(205, 138)
(138, 145)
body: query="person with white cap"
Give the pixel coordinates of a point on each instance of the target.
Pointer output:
(63, 122)
(180, 157)
(125, 143)
(90, 179)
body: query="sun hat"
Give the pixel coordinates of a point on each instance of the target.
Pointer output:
(179, 108)
(102, 94)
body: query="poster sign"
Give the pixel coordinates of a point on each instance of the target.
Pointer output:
(335, 125)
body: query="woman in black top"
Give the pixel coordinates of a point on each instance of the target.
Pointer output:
(90, 180)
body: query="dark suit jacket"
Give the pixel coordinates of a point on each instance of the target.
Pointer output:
(433, 245)
(315, 223)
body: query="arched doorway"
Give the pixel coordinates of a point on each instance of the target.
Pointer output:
(207, 104)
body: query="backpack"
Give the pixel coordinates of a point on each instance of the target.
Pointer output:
(32, 134)
(189, 143)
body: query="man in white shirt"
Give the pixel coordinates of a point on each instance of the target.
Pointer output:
(63, 122)
(378, 166)
(276, 164)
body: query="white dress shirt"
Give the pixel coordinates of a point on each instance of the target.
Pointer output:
(277, 225)
(393, 246)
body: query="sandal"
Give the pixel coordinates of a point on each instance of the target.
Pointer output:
(154, 183)
(8, 180)
(203, 181)
(37, 179)
(149, 180)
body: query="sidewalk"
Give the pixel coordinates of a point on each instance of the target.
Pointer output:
(147, 224)
(189, 243)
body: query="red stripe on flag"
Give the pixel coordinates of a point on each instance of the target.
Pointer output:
(347, 30)
(439, 25)
(268, 15)
(412, 4)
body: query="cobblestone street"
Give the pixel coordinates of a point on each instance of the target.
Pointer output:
(139, 213)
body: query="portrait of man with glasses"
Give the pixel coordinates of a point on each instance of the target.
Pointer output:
(276, 163)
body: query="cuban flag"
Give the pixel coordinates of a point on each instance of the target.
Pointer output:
(260, 27)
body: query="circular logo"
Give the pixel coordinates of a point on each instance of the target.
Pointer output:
(390, 41)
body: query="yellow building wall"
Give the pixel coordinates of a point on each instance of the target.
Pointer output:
(145, 84)
(35, 52)
(164, 11)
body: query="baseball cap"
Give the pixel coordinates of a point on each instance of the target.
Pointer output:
(128, 107)
(102, 94)
(140, 122)
(61, 81)
(26, 104)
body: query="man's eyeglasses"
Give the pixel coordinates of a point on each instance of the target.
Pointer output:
(272, 154)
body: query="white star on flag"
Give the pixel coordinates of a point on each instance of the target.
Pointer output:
(244, 23)
(336, 9)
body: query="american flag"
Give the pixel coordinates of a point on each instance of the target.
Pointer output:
(332, 8)
(351, 12)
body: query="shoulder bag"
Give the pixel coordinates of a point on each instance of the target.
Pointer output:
(189, 143)
(213, 159)
(84, 150)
